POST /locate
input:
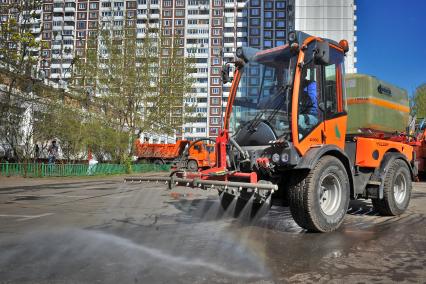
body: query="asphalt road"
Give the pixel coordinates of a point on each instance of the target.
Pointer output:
(104, 231)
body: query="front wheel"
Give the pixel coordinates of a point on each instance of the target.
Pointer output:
(192, 165)
(319, 199)
(396, 190)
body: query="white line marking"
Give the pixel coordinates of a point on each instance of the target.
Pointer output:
(25, 217)
(49, 195)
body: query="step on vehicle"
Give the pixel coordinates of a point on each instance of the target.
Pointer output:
(285, 137)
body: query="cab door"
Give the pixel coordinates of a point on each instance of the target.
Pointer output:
(334, 99)
(320, 99)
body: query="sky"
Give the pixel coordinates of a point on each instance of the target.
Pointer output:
(392, 41)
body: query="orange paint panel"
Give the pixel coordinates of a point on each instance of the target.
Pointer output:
(313, 139)
(335, 131)
(370, 151)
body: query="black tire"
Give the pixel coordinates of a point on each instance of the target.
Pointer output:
(239, 206)
(390, 205)
(192, 165)
(158, 162)
(306, 189)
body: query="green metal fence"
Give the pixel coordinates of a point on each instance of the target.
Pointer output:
(64, 170)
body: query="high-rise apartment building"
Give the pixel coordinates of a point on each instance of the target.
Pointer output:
(333, 19)
(209, 31)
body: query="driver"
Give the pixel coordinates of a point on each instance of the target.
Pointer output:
(308, 108)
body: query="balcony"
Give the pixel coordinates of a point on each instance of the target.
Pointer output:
(58, 9)
(70, 9)
(230, 4)
(57, 28)
(69, 19)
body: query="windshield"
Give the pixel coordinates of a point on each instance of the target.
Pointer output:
(263, 93)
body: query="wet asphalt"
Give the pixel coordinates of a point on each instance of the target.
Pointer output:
(105, 231)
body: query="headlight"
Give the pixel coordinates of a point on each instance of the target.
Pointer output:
(276, 158)
(284, 157)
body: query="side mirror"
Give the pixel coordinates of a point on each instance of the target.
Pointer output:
(225, 74)
(322, 53)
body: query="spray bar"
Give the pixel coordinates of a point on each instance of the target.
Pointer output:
(199, 182)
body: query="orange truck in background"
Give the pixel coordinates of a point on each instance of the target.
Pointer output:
(185, 154)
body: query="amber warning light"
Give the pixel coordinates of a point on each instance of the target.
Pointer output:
(344, 45)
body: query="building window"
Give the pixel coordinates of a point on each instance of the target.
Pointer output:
(280, 4)
(217, 22)
(93, 15)
(255, 22)
(180, 13)
(269, 5)
(268, 15)
(255, 3)
(255, 12)
(214, 120)
(215, 71)
(280, 34)
(255, 31)
(267, 43)
(217, 13)
(267, 34)
(280, 14)
(254, 41)
(215, 110)
(93, 6)
(215, 101)
(280, 24)
(214, 131)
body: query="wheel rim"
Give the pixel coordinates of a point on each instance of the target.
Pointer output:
(400, 188)
(330, 196)
(192, 165)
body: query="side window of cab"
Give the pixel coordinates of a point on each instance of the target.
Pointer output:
(333, 85)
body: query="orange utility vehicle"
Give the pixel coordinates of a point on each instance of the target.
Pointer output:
(185, 154)
(285, 137)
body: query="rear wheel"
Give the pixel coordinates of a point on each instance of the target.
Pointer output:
(319, 199)
(396, 190)
(192, 165)
(158, 162)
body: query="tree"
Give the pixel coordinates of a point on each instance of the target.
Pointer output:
(19, 56)
(141, 88)
(420, 101)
